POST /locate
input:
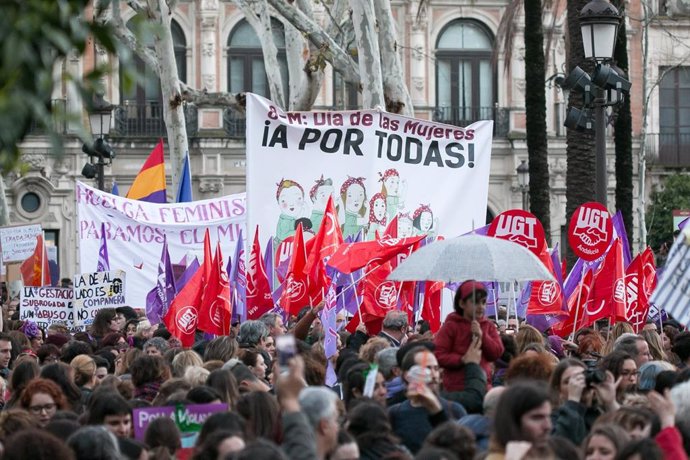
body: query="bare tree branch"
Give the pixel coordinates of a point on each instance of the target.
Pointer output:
(136, 5)
(202, 98)
(333, 53)
(130, 40)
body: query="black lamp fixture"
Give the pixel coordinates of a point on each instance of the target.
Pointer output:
(100, 152)
(599, 21)
(607, 86)
(523, 181)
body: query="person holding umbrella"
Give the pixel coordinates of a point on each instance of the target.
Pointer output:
(464, 328)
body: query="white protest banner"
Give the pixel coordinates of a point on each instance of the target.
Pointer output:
(18, 243)
(135, 229)
(376, 165)
(47, 305)
(93, 291)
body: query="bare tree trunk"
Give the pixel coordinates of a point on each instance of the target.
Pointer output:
(398, 99)
(305, 66)
(4, 212)
(173, 112)
(364, 20)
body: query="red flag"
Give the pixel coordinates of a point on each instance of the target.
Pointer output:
(379, 295)
(546, 297)
(259, 300)
(640, 280)
(35, 270)
(296, 291)
(577, 305)
(182, 316)
(215, 311)
(608, 289)
(353, 256)
(431, 308)
(327, 240)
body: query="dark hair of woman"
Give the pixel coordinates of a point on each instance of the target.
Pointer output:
(262, 413)
(203, 395)
(353, 384)
(21, 375)
(371, 427)
(453, 437)
(163, 432)
(614, 433)
(225, 384)
(225, 421)
(101, 323)
(645, 448)
(613, 362)
(557, 375)
(112, 339)
(36, 445)
(259, 448)
(60, 373)
(518, 399)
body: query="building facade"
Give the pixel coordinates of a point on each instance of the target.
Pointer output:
(447, 53)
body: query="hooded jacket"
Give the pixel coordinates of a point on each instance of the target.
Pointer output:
(452, 342)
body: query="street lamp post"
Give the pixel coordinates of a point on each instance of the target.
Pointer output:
(523, 182)
(100, 114)
(599, 21)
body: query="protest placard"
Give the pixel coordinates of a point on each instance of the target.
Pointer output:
(18, 242)
(188, 418)
(94, 291)
(135, 231)
(375, 165)
(47, 305)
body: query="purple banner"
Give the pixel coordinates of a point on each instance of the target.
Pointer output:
(187, 417)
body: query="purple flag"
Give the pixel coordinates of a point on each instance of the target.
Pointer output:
(682, 225)
(238, 279)
(522, 304)
(330, 342)
(619, 227)
(268, 263)
(187, 273)
(103, 261)
(492, 295)
(159, 298)
(543, 322)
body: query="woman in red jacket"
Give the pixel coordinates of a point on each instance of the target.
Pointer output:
(459, 330)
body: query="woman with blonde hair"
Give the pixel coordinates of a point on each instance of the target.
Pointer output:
(618, 329)
(528, 335)
(84, 368)
(184, 360)
(656, 347)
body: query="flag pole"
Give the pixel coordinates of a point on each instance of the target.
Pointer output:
(577, 305)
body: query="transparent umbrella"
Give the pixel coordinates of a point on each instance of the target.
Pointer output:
(472, 257)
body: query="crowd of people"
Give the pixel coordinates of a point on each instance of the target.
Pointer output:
(478, 388)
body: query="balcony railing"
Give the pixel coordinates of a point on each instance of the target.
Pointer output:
(671, 150)
(58, 110)
(146, 120)
(463, 116)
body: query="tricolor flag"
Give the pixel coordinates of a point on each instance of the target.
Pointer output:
(149, 185)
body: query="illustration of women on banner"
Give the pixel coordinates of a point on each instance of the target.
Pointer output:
(394, 191)
(423, 221)
(405, 229)
(319, 193)
(290, 198)
(377, 216)
(353, 212)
